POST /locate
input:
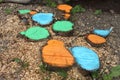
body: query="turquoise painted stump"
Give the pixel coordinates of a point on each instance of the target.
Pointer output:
(43, 18)
(86, 58)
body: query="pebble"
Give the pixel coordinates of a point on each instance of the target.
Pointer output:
(112, 11)
(108, 62)
(106, 71)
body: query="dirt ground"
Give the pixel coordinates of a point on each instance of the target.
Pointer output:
(13, 46)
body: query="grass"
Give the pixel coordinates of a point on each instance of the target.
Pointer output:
(8, 10)
(1, 1)
(114, 72)
(95, 75)
(98, 12)
(47, 79)
(23, 64)
(62, 73)
(67, 0)
(17, 60)
(51, 3)
(77, 9)
(42, 67)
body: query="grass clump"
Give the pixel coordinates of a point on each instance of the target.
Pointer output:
(95, 75)
(115, 72)
(8, 11)
(62, 73)
(17, 60)
(50, 3)
(43, 67)
(1, 1)
(78, 8)
(98, 12)
(67, 0)
(23, 64)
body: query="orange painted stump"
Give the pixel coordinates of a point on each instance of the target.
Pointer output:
(66, 16)
(64, 7)
(56, 55)
(32, 12)
(95, 39)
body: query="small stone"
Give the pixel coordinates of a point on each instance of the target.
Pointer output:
(112, 11)
(24, 21)
(108, 62)
(106, 71)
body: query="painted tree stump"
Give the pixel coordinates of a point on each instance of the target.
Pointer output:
(24, 11)
(95, 40)
(102, 32)
(33, 12)
(43, 18)
(86, 58)
(55, 54)
(63, 28)
(64, 7)
(36, 33)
